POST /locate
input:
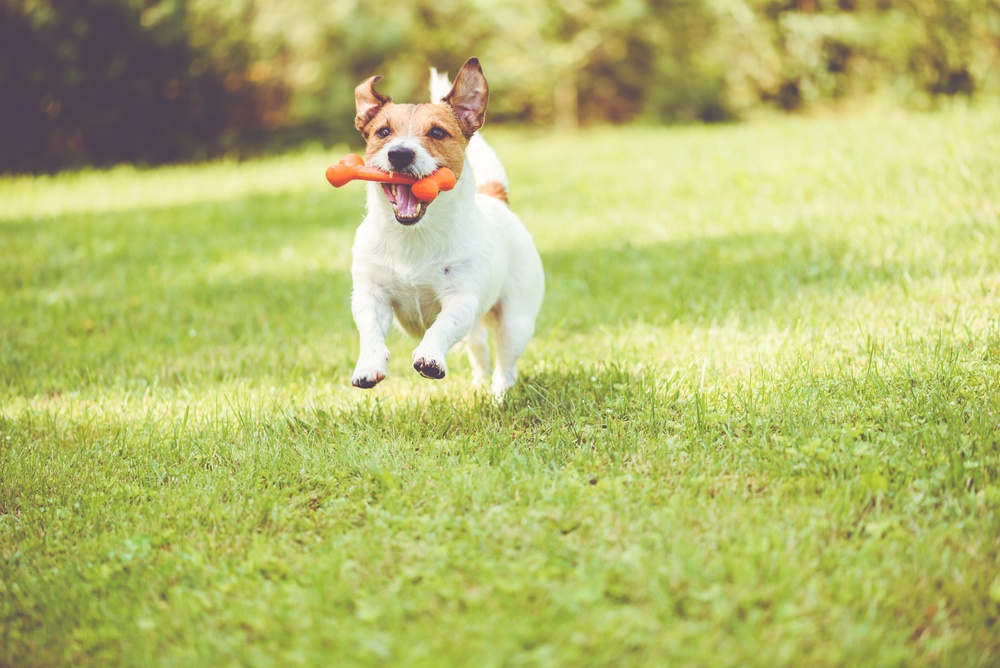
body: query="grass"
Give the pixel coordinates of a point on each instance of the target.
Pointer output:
(759, 424)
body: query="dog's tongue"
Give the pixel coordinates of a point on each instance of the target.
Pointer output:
(407, 205)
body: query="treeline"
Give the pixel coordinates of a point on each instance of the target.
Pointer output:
(105, 81)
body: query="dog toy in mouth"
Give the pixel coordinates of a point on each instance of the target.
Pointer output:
(352, 168)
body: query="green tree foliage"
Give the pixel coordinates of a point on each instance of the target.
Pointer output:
(795, 54)
(548, 61)
(570, 61)
(106, 81)
(101, 81)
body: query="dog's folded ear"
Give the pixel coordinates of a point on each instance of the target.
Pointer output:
(469, 96)
(368, 102)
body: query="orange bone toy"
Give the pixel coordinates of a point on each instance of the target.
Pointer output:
(352, 167)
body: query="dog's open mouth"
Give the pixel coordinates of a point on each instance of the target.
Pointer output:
(405, 205)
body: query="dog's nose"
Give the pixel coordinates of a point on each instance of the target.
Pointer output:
(401, 157)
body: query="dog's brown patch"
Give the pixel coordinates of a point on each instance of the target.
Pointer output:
(494, 189)
(368, 102)
(469, 97)
(434, 125)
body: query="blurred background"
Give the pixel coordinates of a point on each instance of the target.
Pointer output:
(99, 82)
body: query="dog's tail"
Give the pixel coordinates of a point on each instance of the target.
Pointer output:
(491, 177)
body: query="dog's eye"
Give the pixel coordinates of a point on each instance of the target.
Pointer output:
(383, 132)
(436, 133)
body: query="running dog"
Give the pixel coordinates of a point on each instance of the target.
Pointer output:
(450, 270)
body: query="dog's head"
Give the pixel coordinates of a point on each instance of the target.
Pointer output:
(416, 139)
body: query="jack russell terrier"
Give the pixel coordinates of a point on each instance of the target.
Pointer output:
(452, 269)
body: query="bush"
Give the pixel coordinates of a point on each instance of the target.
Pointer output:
(797, 54)
(105, 81)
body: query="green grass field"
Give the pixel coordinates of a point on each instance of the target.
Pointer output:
(759, 423)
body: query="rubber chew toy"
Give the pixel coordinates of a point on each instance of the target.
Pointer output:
(352, 168)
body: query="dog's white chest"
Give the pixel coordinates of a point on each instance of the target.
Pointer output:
(415, 307)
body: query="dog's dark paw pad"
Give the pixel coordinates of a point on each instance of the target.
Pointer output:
(367, 382)
(429, 368)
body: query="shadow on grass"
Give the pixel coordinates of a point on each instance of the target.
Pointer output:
(926, 419)
(541, 400)
(94, 299)
(238, 279)
(702, 280)
(899, 424)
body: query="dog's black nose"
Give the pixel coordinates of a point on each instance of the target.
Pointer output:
(401, 157)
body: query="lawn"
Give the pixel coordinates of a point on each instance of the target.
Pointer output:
(759, 423)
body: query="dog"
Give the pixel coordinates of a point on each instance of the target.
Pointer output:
(451, 270)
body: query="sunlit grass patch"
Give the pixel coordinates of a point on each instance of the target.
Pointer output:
(759, 423)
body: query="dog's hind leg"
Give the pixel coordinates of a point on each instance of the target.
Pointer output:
(479, 354)
(512, 336)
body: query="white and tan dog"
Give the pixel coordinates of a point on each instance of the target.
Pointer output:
(455, 268)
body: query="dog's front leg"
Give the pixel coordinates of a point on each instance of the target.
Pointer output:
(372, 312)
(457, 316)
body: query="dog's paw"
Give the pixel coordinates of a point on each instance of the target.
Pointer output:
(367, 381)
(428, 367)
(368, 374)
(503, 380)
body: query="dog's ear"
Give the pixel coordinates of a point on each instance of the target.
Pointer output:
(368, 102)
(468, 97)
